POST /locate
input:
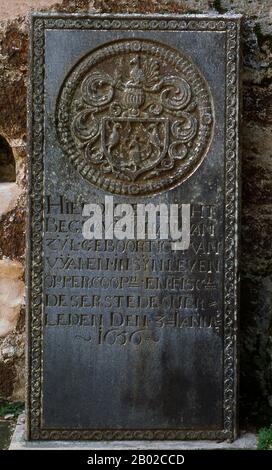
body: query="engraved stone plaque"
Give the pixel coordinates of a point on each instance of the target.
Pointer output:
(133, 227)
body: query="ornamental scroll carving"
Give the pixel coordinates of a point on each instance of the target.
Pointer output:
(135, 117)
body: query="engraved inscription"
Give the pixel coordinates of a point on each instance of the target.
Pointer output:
(135, 117)
(117, 293)
(137, 339)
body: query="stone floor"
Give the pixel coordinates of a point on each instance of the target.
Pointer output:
(246, 441)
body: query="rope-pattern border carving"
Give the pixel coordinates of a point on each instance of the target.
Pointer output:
(36, 232)
(40, 22)
(231, 223)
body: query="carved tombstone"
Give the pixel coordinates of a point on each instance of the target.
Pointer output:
(133, 335)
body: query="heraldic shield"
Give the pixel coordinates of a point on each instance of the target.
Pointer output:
(133, 146)
(135, 117)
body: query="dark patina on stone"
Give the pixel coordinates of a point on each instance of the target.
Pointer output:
(130, 339)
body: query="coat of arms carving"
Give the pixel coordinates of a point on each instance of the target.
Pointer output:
(135, 117)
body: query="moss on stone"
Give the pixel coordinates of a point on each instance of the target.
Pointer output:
(265, 438)
(10, 407)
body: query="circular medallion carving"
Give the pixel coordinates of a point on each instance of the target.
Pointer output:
(135, 117)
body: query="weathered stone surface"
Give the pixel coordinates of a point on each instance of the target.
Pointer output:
(10, 9)
(133, 337)
(11, 294)
(9, 193)
(12, 328)
(256, 240)
(10, 269)
(256, 292)
(7, 378)
(12, 232)
(13, 68)
(256, 168)
(12, 347)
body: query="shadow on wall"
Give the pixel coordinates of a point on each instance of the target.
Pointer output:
(7, 162)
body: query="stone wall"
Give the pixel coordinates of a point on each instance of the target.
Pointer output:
(256, 249)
